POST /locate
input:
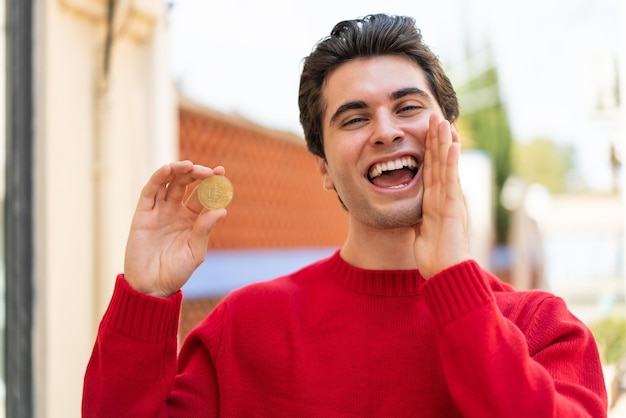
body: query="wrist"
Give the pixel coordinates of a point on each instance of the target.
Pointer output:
(152, 291)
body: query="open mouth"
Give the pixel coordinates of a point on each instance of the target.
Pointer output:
(393, 174)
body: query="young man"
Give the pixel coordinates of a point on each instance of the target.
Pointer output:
(400, 322)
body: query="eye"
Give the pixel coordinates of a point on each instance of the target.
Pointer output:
(354, 121)
(410, 109)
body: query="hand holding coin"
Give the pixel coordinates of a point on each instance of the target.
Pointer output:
(215, 192)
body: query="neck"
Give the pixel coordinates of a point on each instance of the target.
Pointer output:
(379, 249)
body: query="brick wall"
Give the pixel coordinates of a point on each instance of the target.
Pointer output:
(278, 200)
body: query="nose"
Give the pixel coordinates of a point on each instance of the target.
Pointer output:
(386, 129)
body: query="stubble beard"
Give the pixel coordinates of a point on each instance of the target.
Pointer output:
(408, 215)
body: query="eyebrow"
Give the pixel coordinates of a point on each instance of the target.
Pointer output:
(395, 95)
(398, 94)
(357, 104)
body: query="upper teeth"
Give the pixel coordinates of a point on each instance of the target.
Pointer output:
(378, 168)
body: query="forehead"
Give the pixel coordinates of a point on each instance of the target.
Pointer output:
(367, 79)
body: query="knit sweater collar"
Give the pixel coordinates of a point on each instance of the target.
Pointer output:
(373, 282)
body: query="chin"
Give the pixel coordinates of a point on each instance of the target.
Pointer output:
(400, 218)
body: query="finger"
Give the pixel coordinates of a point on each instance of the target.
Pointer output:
(177, 189)
(176, 168)
(444, 141)
(450, 150)
(432, 157)
(219, 170)
(193, 203)
(202, 231)
(452, 170)
(454, 156)
(183, 174)
(456, 137)
(155, 186)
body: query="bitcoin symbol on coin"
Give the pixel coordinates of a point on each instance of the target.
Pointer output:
(215, 192)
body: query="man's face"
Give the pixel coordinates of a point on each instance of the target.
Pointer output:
(374, 133)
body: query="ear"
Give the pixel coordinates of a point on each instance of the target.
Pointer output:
(322, 166)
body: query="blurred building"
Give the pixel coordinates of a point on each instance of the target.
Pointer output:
(584, 244)
(93, 108)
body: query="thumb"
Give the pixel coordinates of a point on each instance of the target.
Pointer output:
(199, 239)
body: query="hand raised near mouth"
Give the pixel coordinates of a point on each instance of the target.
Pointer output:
(442, 237)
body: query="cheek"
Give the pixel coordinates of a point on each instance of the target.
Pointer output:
(338, 155)
(335, 173)
(343, 156)
(419, 128)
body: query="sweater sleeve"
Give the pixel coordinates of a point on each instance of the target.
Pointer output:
(541, 363)
(132, 368)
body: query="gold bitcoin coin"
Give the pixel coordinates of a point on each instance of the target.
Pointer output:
(215, 192)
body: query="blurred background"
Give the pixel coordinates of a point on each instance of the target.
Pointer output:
(99, 93)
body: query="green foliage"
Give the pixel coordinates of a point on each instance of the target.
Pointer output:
(610, 335)
(544, 162)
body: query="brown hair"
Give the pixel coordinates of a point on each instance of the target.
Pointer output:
(370, 36)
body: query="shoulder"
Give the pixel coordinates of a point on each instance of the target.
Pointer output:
(516, 304)
(540, 315)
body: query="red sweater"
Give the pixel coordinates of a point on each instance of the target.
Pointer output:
(332, 340)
